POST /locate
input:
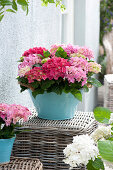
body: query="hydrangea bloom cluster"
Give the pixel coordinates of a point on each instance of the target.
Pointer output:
(70, 49)
(70, 63)
(101, 132)
(77, 70)
(35, 74)
(35, 50)
(80, 151)
(94, 67)
(55, 68)
(13, 113)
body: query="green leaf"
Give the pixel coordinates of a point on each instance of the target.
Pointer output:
(51, 1)
(5, 2)
(24, 7)
(97, 164)
(86, 89)
(90, 166)
(14, 6)
(36, 65)
(95, 82)
(1, 17)
(22, 2)
(27, 10)
(102, 114)
(77, 94)
(46, 83)
(23, 88)
(40, 56)
(46, 54)
(61, 53)
(37, 91)
(106, 150)
(35, 84)
(10, 10)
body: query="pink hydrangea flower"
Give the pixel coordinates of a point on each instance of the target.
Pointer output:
(35, 74)
(94, 67)
(32, 59)
(35, 50)
(55, 68)
(13, 113)
(77, 71)
(70, 49)
(88, 53)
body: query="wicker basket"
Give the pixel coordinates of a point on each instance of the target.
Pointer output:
(22, 164)
(48, 138)
(108, 91)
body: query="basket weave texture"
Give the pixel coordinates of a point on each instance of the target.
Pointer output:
(108, 91)
(47, 138)
(22, 164)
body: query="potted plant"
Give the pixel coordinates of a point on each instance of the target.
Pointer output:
(57, 77)
(92, 150)
(9, 117)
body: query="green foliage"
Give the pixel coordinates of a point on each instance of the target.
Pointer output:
(106, 149)
(12, 6)
(94, 82)
(61, 53)
(8, 131)
(97, 164)
(77, 94)
(102, 114)
(57, 86)
(46, 54)
(85, 88)
(56, 2)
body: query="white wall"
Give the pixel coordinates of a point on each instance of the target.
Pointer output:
(18, 32)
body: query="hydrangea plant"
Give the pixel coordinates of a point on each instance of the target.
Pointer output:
(92, 150)
(9, 118)
(63, 68)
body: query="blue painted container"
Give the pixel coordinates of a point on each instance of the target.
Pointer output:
(55, 107)
(5, 149)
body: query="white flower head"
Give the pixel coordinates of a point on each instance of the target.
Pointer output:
(80, 151)
(101, 132)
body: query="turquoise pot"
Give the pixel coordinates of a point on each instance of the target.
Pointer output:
(5, 149)
(55, 107)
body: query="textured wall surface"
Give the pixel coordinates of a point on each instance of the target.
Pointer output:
(18, 33)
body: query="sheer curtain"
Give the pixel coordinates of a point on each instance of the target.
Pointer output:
(42, 27)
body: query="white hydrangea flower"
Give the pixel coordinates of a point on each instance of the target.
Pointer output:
(101, 132)
(80, 151)
(111, 119)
